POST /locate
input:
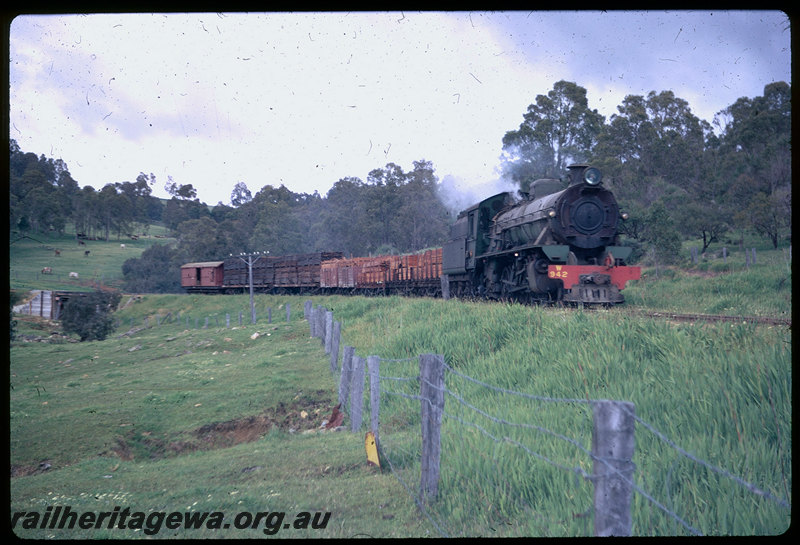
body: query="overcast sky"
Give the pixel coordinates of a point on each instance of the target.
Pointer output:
(304, 99)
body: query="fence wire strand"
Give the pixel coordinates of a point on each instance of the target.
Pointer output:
(390, 448)
(725, 473)
(603, 461)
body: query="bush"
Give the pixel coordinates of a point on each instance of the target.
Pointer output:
(154, 272)
(90, 316)
(13, 299)
(661, 234)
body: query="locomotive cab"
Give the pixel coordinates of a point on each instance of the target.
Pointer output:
(469, 235)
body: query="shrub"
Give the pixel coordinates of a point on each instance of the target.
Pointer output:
(154, 272)
(90, 316)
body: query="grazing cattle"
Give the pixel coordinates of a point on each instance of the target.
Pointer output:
(81, 243)
(47, 270)
(122, 246)
(73, 275)
(58, 253)
(86, 253)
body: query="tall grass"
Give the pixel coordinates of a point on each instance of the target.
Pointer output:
(719, 286)
(722, 392)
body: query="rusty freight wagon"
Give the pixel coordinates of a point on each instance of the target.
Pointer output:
(359, 274)
(416, 273)
(388, 274)
(206, 276)
(288, 273)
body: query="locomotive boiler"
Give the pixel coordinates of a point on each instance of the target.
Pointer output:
(560, 243)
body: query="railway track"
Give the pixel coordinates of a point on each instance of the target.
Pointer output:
(675, 316)
(680, 317)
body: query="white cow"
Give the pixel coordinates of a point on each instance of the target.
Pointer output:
(122, 246)
(73, 275)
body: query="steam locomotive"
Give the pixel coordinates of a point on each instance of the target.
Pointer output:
(557, 244)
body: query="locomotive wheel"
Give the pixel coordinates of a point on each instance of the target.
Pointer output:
(507, 283)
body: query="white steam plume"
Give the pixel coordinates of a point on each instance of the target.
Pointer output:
(457, 195)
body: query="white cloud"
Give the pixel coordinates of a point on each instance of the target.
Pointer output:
(304, 99)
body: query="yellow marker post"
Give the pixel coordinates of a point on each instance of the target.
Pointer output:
(372, 449)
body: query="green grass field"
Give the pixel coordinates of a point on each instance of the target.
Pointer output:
(178, 418)
(30, 253)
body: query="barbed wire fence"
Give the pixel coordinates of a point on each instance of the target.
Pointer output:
(447, 436)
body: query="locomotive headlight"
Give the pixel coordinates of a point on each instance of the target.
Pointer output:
(592, 176)
(552, 213)
(624, 216)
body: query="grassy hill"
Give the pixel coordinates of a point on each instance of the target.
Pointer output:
(178, 418)
(30, 253)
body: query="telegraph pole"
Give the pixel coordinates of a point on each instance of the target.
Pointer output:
(248, 258)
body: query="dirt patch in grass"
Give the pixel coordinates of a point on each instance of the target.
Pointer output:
(33, 469)
(304, 414)
(301, 415)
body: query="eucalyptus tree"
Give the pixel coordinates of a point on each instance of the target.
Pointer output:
(559, 128)
(421, 219)
(240, 194)
(343, 220)
(755, 160)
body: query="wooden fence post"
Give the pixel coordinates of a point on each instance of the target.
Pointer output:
(317, 329)
(240, 318)
(612, 451)
(328, 331)
(335, 339)
(321, 324)
(344, 379)
(288, 312)
(307, 306)
(356, 393)
(312, 321)
(431, 390)
(269, 315)
(373, 367)
(227, 320)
